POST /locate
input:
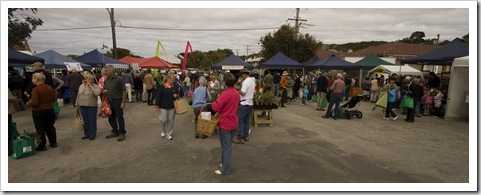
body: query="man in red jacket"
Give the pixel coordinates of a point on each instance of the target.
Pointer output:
(227, 105)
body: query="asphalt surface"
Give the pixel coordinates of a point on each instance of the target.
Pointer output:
(301, 147)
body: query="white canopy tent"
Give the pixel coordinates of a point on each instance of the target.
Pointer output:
(458, 91)
(399, 70)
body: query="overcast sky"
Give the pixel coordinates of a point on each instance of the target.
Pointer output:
(339, 25)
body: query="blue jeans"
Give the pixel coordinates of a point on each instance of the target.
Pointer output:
(417, 108)
(73, 96)
(244, 121)
(186, 90)
(304, 100)
(89, 117)
(117, 116)
(276, 89)
(138, 94)
(335, 98)
(226, 145)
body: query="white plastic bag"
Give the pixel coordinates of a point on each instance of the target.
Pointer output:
(60, 102)
(205, 115)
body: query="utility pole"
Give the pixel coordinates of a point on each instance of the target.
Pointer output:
(237, 52)
(112, 25)
(297, 20)
(438, 39)
(247, 49)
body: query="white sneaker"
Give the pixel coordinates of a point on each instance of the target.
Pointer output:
(394, 118)
(162, 134)
(218, 172)
(386, 118)
(221, 165)
(169, 137)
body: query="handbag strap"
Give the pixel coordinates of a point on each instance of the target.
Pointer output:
(206, 95)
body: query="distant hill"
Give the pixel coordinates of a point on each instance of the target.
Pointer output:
(351, 47)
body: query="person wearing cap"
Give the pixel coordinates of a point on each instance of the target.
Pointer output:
(245, 108)
(283, 88)
(38, 67)
(337, 90)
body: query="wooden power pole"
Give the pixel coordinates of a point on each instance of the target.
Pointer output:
(112, 25)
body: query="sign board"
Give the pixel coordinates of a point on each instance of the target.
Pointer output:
(232, 67)
(135, 66)
(380, 71)
(73, 66)
(119, 65)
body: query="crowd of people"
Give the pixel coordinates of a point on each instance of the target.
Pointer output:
(234, 104)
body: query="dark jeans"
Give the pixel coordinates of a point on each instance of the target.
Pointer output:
(117, 117)
(346, 92)
(244, 115)
(89, 117)
(267, 88)
(73, 96)
(283, 96)
(335, 99)
(150, 95)
(44, 121)
(138, 94)
(390, 106)
(10, 132)
(226, 145)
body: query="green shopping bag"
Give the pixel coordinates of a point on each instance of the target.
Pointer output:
(324, 103)
(22, 144)
(56, 109)
(407, 102)
(314, 98)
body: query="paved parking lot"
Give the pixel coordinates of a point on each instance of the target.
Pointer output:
(301, 147)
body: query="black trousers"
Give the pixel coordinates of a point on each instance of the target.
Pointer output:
(44, 121)
(390, 106)
(150, 96)
(283, 96)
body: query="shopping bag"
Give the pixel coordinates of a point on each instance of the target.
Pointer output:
(324, 103)
(407, 102)
(60, 102)
(22, 144)
(56, 109)
(180, 106)
(79, 124)
(314, 98)
(105, 110)
(382, 101)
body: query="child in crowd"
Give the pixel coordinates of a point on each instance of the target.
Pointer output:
(305, 93)
(427, 100)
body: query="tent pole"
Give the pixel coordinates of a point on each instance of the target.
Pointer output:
(360, 77)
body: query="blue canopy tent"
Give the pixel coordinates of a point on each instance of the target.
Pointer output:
(281, 61)
(97, 59)
(331, 62)
(443, 55)
(231, 63)
(16, 58)
(56, 60)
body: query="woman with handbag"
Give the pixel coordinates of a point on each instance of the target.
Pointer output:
(415, 92)
(87, 104)
(199, 98)
(166, 94)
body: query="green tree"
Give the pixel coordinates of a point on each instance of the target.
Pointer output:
(21, 26)
(121, 52)
(300, 47)
(204, 60)
(466, 38)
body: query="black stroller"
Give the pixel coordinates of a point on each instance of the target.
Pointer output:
(349, 109)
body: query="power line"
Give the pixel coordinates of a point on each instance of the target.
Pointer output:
(197, 29)
(78, 28)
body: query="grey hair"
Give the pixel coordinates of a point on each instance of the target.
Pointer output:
(110, 67)
(415, 81)
(39, 76)
(202, 81)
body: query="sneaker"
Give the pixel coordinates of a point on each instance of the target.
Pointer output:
(121, 137)
(221, 165)
(246, 139)
(112, 135)
(170, 137)
(385, 118)
(394, 118)
(162, 135)
(203, 136)
(40, 148)
(54, 145)
(217, 172)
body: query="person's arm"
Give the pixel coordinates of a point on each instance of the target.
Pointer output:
(218, 104)
(59, 81)
(34, 99)
(95, 89)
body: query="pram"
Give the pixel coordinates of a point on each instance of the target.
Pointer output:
(349, 109)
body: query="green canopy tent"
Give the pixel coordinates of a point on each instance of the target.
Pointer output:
(368, 63)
